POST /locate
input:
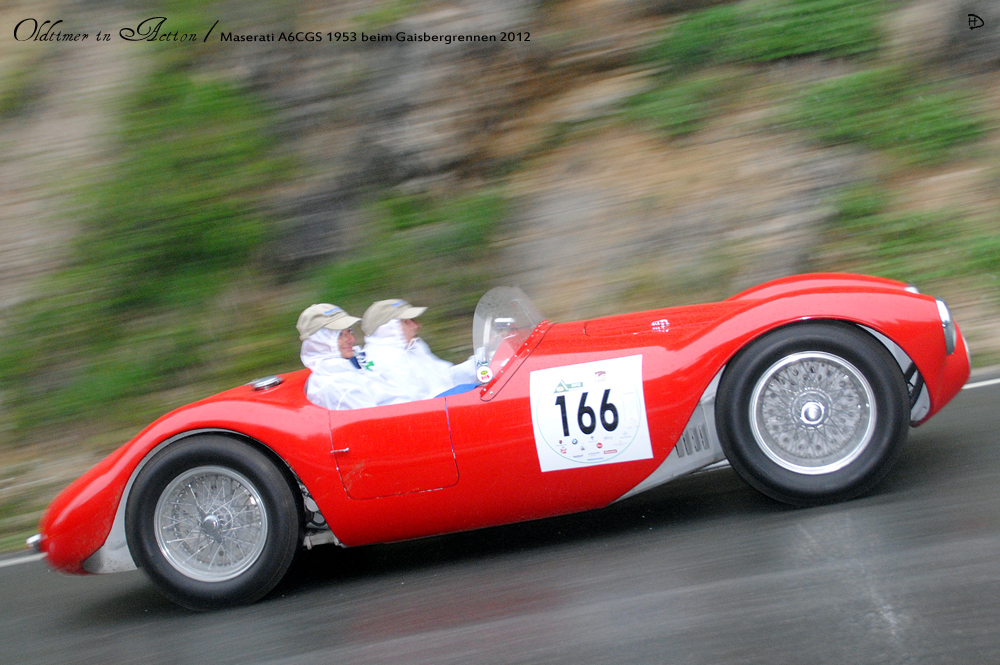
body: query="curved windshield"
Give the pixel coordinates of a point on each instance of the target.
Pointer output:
(503, 320)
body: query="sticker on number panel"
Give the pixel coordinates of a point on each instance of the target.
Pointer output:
(590, 413)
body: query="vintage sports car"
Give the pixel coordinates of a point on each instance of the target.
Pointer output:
(807, 385)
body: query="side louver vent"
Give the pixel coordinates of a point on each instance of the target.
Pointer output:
(693, 440)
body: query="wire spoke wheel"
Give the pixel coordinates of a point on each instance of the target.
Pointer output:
(210, 523)
(213, 522)
(812, 412)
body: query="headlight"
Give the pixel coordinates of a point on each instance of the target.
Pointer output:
(948, 324)
(911, 289)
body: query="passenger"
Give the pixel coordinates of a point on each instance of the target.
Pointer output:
(338, 380)
(392, 346)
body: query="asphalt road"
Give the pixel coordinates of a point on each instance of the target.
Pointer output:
(704, 570)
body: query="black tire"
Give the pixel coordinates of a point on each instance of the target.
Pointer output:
(793, 412)
(212, 522)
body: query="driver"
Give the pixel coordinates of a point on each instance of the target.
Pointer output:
(392, 345)
(338, 380)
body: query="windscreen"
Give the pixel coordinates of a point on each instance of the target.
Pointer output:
(504, 318)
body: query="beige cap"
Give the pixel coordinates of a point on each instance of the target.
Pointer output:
(323, 315)
(383, 311)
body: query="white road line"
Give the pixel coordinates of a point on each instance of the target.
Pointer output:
(980, 384)
(23, 559)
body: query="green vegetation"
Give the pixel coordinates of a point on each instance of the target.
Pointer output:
(984, 250)
(885, 109)
(408, 211)
(162, 299)
(753, 31)
(775, 29)
(767, 30)
(422, 247)
(695, 41)
(860, 203)
(19, 87)
(90, 350)
(681, 107)
(176, 220)
(181, 209)
(387, 13)
(919, 247)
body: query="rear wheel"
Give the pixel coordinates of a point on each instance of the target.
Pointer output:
(212, 522)
(813, 412)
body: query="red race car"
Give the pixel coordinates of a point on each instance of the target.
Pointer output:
(807, 385)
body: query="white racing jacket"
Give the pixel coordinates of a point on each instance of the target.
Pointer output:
(335, 383)
(411, 366)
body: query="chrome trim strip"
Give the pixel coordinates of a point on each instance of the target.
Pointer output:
(266, 383)
(948, 325)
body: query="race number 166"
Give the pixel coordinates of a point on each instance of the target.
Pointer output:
(586, 418)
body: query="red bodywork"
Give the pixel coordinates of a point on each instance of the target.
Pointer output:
(469, 461)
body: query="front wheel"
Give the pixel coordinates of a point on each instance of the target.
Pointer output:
(813, 412)
(212, 522)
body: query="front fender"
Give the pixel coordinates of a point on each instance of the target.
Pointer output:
(80, 519)
(910, 320)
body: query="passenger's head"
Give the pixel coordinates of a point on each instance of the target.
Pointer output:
(345, 343)
(327, 328)
(386, 312)
(410, 328)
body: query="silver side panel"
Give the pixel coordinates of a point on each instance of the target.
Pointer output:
(697, 448)
(114, 556)
(923, 403)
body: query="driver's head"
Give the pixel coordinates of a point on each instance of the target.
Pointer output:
(328, 325)
(384, 311)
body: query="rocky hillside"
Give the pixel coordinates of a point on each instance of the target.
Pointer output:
(167, 210)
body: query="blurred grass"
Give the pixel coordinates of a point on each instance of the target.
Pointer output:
(761, 31)
(927, 247)
(199, 156)
(164, 298)
(386, 13)
(18, 519)
(435, 251)
(773, 30)
(60, 369)
(176, 220)
(681, 107)
(753, 31)
(18, 89)
(899, 110)
(887, 108)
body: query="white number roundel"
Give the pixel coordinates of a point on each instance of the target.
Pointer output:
(590, 413)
